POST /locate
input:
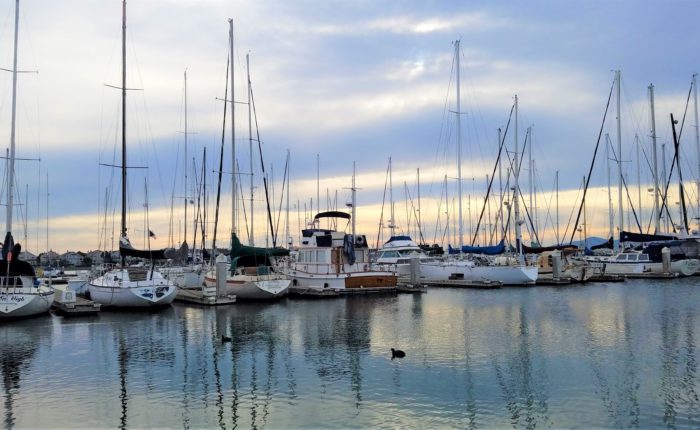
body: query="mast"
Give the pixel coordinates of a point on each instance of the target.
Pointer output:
(234, 190)
(530, 169)
(251, 239)
(354, 197)
(639, 182)
(500, 187)
(318, 185)
(611, 222)
(11, 171)
(697, 138)
(620, 214)
(286, 218)
(447, 212)
(516, 197)
(556, 182)
(420, 225)
(123, 224)
(392, 224)
(186, 197)
(459, 149)
(657, 226)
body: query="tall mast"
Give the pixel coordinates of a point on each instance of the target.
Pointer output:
(530, 169)
(556, 182)
(123, 231)
(186, 161)
(11, 174)
(234, 193)
(354, 198)
(420, 225)
(500, 187)
(250, 146)
(447, 212)
(611, 223)
(657, 226)
(286, 219)
(620, 214)
(459, 149)
(392, 223)
(318, 185)
(639, 182)
(697, 138)
(516, 195)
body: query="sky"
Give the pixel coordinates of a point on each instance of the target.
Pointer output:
(333, 83)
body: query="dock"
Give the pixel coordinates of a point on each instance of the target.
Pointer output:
(649, 275)
(407, 288)
(553, 281)
(366, 290)
(203, 297)
(462, 283)
(67, 304)
(312, 292)
(606, 278)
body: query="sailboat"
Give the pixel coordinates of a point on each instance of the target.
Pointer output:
(131, 286)
(20, 293)
(252, 274)
(504, 269)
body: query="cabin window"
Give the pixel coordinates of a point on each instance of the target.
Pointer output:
(302, 257)
(632, 257)
(321, 256)
(622, 257)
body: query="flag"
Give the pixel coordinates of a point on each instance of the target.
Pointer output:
(151, 234)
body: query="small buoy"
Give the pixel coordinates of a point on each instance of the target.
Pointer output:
(225, 339)
(397, 353)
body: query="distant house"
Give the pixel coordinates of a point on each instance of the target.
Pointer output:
(28, 257)
(95, 257)
(46, 258)
(71, 258)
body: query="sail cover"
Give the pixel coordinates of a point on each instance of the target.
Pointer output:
(627, 236)
(486, 250)
(127, 250)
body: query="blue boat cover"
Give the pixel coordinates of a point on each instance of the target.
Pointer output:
(486, 250)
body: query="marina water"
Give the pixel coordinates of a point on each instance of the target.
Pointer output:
(599, 355)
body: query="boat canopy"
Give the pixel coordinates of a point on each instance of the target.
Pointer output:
(332, 214)
(397, 238)
(486, 250)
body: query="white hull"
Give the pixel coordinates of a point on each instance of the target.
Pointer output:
(507, 275)
(681, 267)
(246, 287)
(25, 301)
(184, 277)
(115, 289)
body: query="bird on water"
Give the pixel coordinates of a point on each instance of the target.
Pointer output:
(225, 339)
(397, 353)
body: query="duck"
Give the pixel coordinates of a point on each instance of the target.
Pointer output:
(225, 339)
(397, 353)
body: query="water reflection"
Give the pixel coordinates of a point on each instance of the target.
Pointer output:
(18, 348)
(599, 356)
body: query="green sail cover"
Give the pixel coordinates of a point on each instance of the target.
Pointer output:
(252, 256)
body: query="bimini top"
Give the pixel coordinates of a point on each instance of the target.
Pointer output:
(332, 214)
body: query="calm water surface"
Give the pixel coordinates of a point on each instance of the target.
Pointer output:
(602, 355)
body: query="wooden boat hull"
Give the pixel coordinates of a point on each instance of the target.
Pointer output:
(369, 279)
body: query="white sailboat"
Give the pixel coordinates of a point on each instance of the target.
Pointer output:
(20, 293)
(130, 286)
(252, 275)
(507, 270)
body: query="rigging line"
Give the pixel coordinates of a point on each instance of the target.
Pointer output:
(381, 216)
(590, 169)
(221, 163)
(245, 214)
(520, 164)
(627, 191)
(493, 174)
(262, 165)
(664, 204)
(571, 215)
(279, 211)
